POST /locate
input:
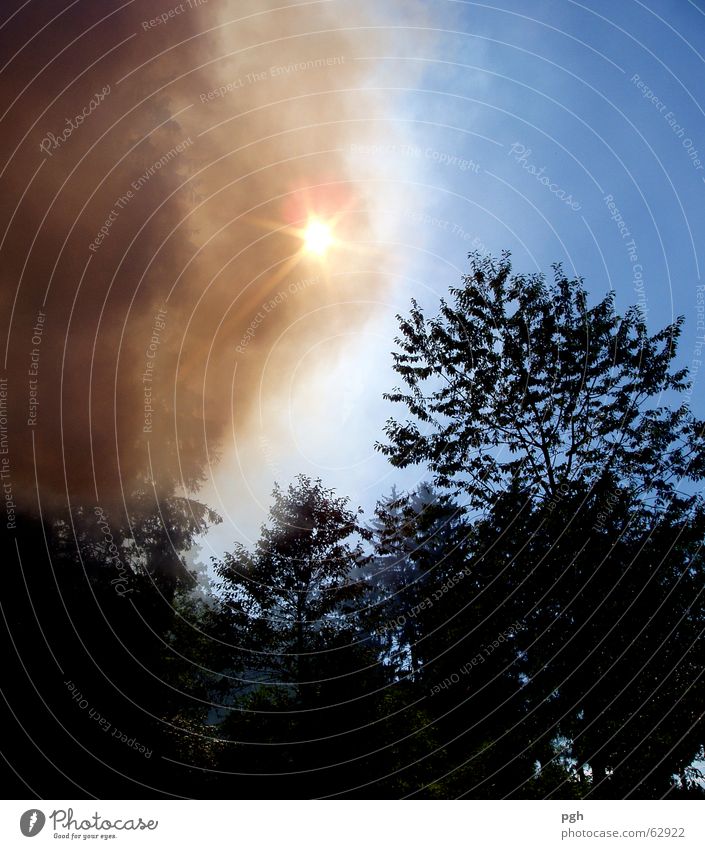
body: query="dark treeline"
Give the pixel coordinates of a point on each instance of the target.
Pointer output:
(527, 623)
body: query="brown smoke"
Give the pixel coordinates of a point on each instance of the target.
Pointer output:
(225, 123)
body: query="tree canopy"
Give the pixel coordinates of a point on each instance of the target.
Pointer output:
(525, 623)
(518, 382)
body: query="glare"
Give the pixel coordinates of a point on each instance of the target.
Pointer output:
(318, 237)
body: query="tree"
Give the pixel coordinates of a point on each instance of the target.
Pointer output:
(548, 415)
(518, 383)
(89, 599)
(295, 590)
(421, 540)
(294, 608)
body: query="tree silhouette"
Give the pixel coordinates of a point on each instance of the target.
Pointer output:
(295, 590)
(548, 416)
(519, 383)
(294, 608)
(526, 623)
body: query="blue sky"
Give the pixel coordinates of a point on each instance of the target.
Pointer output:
(561, 131)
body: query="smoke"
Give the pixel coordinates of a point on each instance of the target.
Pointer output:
(159, 161)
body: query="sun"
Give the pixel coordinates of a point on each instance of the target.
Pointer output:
(318, 237)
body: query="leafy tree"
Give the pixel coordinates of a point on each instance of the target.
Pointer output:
(296, 591)
(548, 415)
(421, 540)
(101, 623)
(517, 382)
(294, 607)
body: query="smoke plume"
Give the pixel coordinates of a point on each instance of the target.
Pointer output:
(159, 162)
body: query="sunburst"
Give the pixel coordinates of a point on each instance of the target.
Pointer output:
(317, 237)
